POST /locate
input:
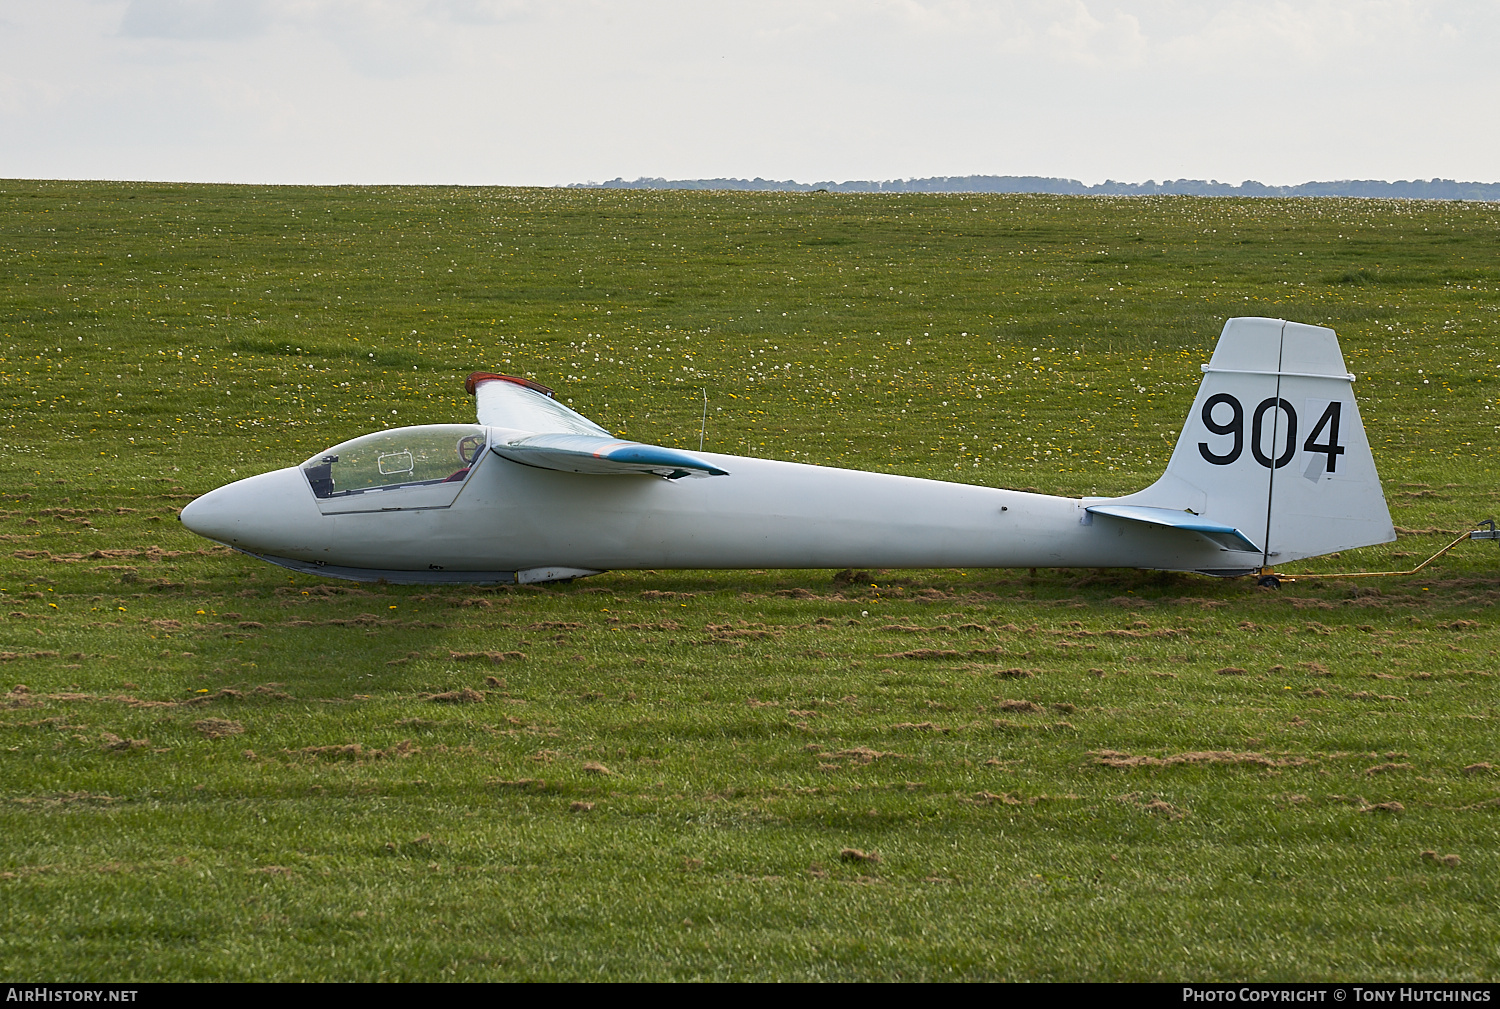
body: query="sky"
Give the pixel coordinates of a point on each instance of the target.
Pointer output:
(518, 92)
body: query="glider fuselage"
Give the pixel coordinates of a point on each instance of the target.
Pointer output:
(510, 517)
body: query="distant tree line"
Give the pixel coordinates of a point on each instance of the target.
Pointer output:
(1417, 189)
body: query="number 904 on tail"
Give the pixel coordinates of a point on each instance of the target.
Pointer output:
(1328, 422)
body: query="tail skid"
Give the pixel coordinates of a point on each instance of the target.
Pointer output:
(1273, 462)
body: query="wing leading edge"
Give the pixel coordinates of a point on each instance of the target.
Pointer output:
(579, 453)
(540, 431)
(1225, 536)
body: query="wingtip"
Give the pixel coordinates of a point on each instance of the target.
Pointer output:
(477, 378)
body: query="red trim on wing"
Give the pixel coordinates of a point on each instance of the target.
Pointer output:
(472, 382)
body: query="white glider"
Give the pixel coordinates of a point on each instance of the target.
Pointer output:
(1272, 466)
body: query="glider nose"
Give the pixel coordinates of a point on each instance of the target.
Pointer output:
(269, 513)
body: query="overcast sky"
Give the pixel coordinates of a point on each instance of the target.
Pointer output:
(517, 92)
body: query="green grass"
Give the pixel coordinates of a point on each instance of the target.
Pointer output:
(216, 770)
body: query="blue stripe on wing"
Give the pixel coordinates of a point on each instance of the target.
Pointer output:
(654, 455)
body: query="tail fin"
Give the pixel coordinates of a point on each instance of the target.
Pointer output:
(1274, 446)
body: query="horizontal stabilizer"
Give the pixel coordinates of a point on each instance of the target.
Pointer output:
(581, 453)
(1227, 537)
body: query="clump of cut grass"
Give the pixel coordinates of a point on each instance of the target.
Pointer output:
(217, 728)
(464, 695)
(492, 657)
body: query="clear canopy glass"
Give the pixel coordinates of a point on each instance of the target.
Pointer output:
(431, 456)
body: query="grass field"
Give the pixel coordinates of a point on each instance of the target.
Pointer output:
(216, 770)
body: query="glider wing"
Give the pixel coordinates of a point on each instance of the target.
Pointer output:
(523, 405)
(537, 430)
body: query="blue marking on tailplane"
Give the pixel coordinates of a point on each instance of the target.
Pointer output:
(1227, 537)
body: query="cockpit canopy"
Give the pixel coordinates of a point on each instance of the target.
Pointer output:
(427, 465)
